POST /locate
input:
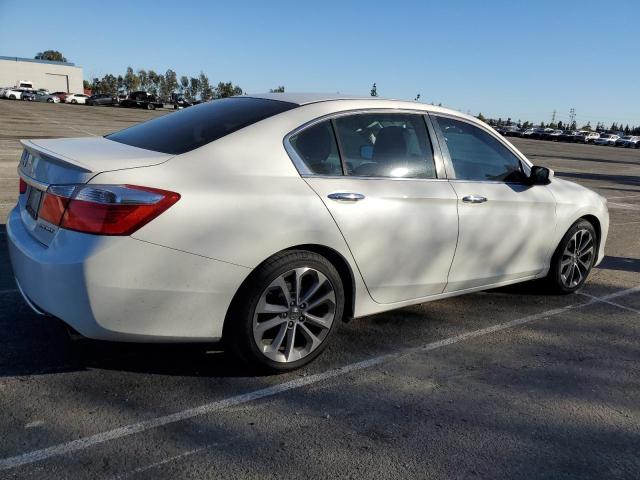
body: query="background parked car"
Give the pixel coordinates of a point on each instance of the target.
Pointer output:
(15, 93)
(606, 139)
(141, 100)
(554, 135)
(629, 141)
(40, 96)
(102, 99)
(61, 95)
(76, 98)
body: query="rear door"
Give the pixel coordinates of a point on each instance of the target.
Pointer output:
(381, 183)
(505, 224)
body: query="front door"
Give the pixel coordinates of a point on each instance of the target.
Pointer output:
(505, 224)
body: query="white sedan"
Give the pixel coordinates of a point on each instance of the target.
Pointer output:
(80, 98)
(267, 220)
(606, 139)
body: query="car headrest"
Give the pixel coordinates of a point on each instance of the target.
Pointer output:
(390, 142)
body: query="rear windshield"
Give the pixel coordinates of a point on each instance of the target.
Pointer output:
(196, 126)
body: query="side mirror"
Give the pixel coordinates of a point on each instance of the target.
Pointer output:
(540, 175)
(366, 152)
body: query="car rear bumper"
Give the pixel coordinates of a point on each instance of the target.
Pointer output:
(123, 289)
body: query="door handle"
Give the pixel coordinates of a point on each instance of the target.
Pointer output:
(346, 196)
(474, 199)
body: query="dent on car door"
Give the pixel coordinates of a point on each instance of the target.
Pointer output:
(380, 185)
(505, 224)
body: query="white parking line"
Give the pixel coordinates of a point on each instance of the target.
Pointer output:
(117, 433)
(624, 307)
(163, 462)
(623, 206)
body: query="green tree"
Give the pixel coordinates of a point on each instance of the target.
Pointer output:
(86, 84)
(194, 88)
(374, 90)
(228, 89)
(120, 81)
(170, 84)
(109, 84)
(143, 80)
(542, 125)
(154, 82)
(52, 55)
(131, 80)
(184, 84)
(279, 89)
(481, 117)
(206, 92)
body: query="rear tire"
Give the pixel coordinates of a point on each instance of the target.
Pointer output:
(151, 106)
(285, 314)
(573, 259)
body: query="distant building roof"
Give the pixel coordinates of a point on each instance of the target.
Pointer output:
(33, 60)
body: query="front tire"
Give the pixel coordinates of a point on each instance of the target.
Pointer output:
(286, 313)
(573, 259)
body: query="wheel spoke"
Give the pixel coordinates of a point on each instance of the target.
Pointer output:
(324, 321)
(265, 307)
(327, 297)
(291, 336)
(269, 324)
(300, 272)
(277, 342)
(315, 341)
(589, 251)
(320, 281)
(282, 284)
(576, 270)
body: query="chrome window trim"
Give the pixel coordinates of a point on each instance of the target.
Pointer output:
(524, 162)
(304, 170)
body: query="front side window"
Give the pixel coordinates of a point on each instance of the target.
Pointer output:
(317, 148)
(477, 155)
(385, 145)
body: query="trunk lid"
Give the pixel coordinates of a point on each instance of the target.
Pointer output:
(71, 161)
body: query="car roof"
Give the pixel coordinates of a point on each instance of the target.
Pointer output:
(302, 99)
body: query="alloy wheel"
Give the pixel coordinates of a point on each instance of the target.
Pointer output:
(294, 314)
(577, 258)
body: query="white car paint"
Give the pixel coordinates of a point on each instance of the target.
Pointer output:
(243, 200)
(606, 139)
(79, 98)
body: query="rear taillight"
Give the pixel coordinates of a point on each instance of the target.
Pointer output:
(23, 186)
(104, 209)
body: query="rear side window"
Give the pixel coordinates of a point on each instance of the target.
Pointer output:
(386, 145)
(196, 126)
(477, 155)
(318, 149)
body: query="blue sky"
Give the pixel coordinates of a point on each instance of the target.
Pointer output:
(502, 58)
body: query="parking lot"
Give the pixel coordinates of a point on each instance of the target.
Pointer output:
(509, 383)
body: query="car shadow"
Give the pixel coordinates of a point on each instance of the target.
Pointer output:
(623, 264)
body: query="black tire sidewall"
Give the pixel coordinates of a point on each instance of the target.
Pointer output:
(554, 276)
(240, 330)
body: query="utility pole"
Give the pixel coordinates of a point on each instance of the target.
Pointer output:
(572, 117)
(553, 117)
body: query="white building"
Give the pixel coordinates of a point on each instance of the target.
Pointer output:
(52, 76)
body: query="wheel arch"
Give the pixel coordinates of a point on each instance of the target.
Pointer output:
(593, 220)
(338, 261)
